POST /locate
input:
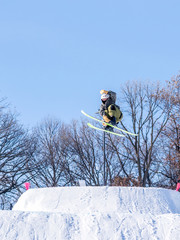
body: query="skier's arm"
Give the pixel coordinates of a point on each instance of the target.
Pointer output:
(103, 113)
(102, 110)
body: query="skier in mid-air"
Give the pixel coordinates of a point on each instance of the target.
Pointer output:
(111, 114)
(109, 110)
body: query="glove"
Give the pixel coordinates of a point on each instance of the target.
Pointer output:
(103, 91)
(106, 119)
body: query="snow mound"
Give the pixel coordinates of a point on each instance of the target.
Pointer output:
(100, 199)
(93, 213)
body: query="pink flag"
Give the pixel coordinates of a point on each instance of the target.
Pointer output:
(178, 187)
(27, 185)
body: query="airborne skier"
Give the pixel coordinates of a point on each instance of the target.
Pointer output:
(109, 110)
(111, 114)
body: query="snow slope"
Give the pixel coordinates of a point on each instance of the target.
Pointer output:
(90, 213)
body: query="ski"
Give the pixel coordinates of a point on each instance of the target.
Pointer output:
(96, 119)
(103, 130)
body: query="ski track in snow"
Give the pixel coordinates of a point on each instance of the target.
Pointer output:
(93, 213)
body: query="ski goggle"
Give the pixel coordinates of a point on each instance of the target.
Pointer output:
(104, 97)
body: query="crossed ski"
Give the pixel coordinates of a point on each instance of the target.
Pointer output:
(98, 120)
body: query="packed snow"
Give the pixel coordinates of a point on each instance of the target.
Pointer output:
(93, 213)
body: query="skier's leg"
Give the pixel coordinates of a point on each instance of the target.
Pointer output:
(113, 121)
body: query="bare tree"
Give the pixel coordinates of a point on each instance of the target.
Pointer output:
(170, 137)
(61, 155)
(144, 115)
(87, 150)
(86, 156)
(13, 159)
(49, 155)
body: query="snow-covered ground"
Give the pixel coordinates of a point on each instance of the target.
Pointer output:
(93, 213)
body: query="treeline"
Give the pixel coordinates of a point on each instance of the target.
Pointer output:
(56, 154)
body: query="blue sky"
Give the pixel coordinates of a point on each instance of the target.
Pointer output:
(55, 56)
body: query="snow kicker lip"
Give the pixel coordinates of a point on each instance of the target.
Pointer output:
(93, 213)
(111, 199)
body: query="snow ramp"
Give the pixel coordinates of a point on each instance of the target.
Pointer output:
(93, 213)
(100, 199)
